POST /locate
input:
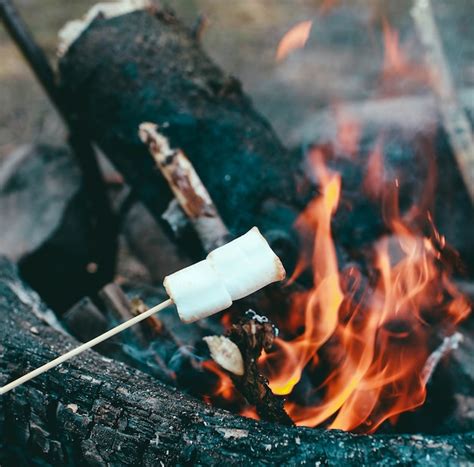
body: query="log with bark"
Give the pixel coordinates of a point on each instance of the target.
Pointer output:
(95, 411)
(162, 75)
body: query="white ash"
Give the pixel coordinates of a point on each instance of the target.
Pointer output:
(449, 343)
(73, 29)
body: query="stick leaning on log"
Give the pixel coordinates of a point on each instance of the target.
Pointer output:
(230, 272)
(187, 187)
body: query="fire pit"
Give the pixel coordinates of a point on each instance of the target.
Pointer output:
(363, 355)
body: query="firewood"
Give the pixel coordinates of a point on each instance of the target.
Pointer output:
(188, 188)
(96, 410)
(200, 109)
(84, 320)
(252, 335)
(44, 223)
(449, 343)
(455, 121)
(101, 225)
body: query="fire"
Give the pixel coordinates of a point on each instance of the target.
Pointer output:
(379, 342)
(354, 346)
(295, 38)
(394, 59)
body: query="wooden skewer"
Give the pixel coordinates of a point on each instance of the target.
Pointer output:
(87, 345)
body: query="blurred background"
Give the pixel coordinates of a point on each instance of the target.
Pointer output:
(349, 44)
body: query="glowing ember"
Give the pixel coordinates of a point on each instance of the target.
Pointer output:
(295, 38)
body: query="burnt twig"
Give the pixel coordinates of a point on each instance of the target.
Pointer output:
(253, 334)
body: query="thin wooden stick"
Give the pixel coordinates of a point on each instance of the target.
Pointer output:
(188, 188)
(87, 345)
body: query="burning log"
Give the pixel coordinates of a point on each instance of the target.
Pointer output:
(95, 410)
(162, 75)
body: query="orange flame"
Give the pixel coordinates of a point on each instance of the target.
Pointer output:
(326, 6)
(295, 38)
(396, 64)
(394, 59)
(381, 340)
(353, 348)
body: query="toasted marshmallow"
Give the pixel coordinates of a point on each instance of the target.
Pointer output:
(230, 272)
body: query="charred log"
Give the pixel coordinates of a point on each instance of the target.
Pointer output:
(162, 75)
(97, 411)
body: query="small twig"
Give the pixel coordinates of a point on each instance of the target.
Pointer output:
(138, 307)
(251, 336)
(448, 344)
(188, 188)
(454, 118)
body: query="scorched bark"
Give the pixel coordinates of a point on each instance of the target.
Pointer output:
(146, 66)
(95, 411)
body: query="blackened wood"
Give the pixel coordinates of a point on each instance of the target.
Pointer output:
(253, 334)
(44, 220)
(96, 411)
(100, 221)
(146, 66)
(84, 320)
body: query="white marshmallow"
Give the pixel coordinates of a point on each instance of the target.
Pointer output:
(247, 264)
(230, 272)
(197, 291)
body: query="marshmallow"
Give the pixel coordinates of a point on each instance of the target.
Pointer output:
(247, 264)
(230, 272)
(197, 291)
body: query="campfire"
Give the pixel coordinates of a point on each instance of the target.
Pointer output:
(363, 351)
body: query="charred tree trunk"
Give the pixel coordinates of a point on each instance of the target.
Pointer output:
(95, 411)
(162, 75)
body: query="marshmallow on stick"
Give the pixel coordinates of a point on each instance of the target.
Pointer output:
(230, 272)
